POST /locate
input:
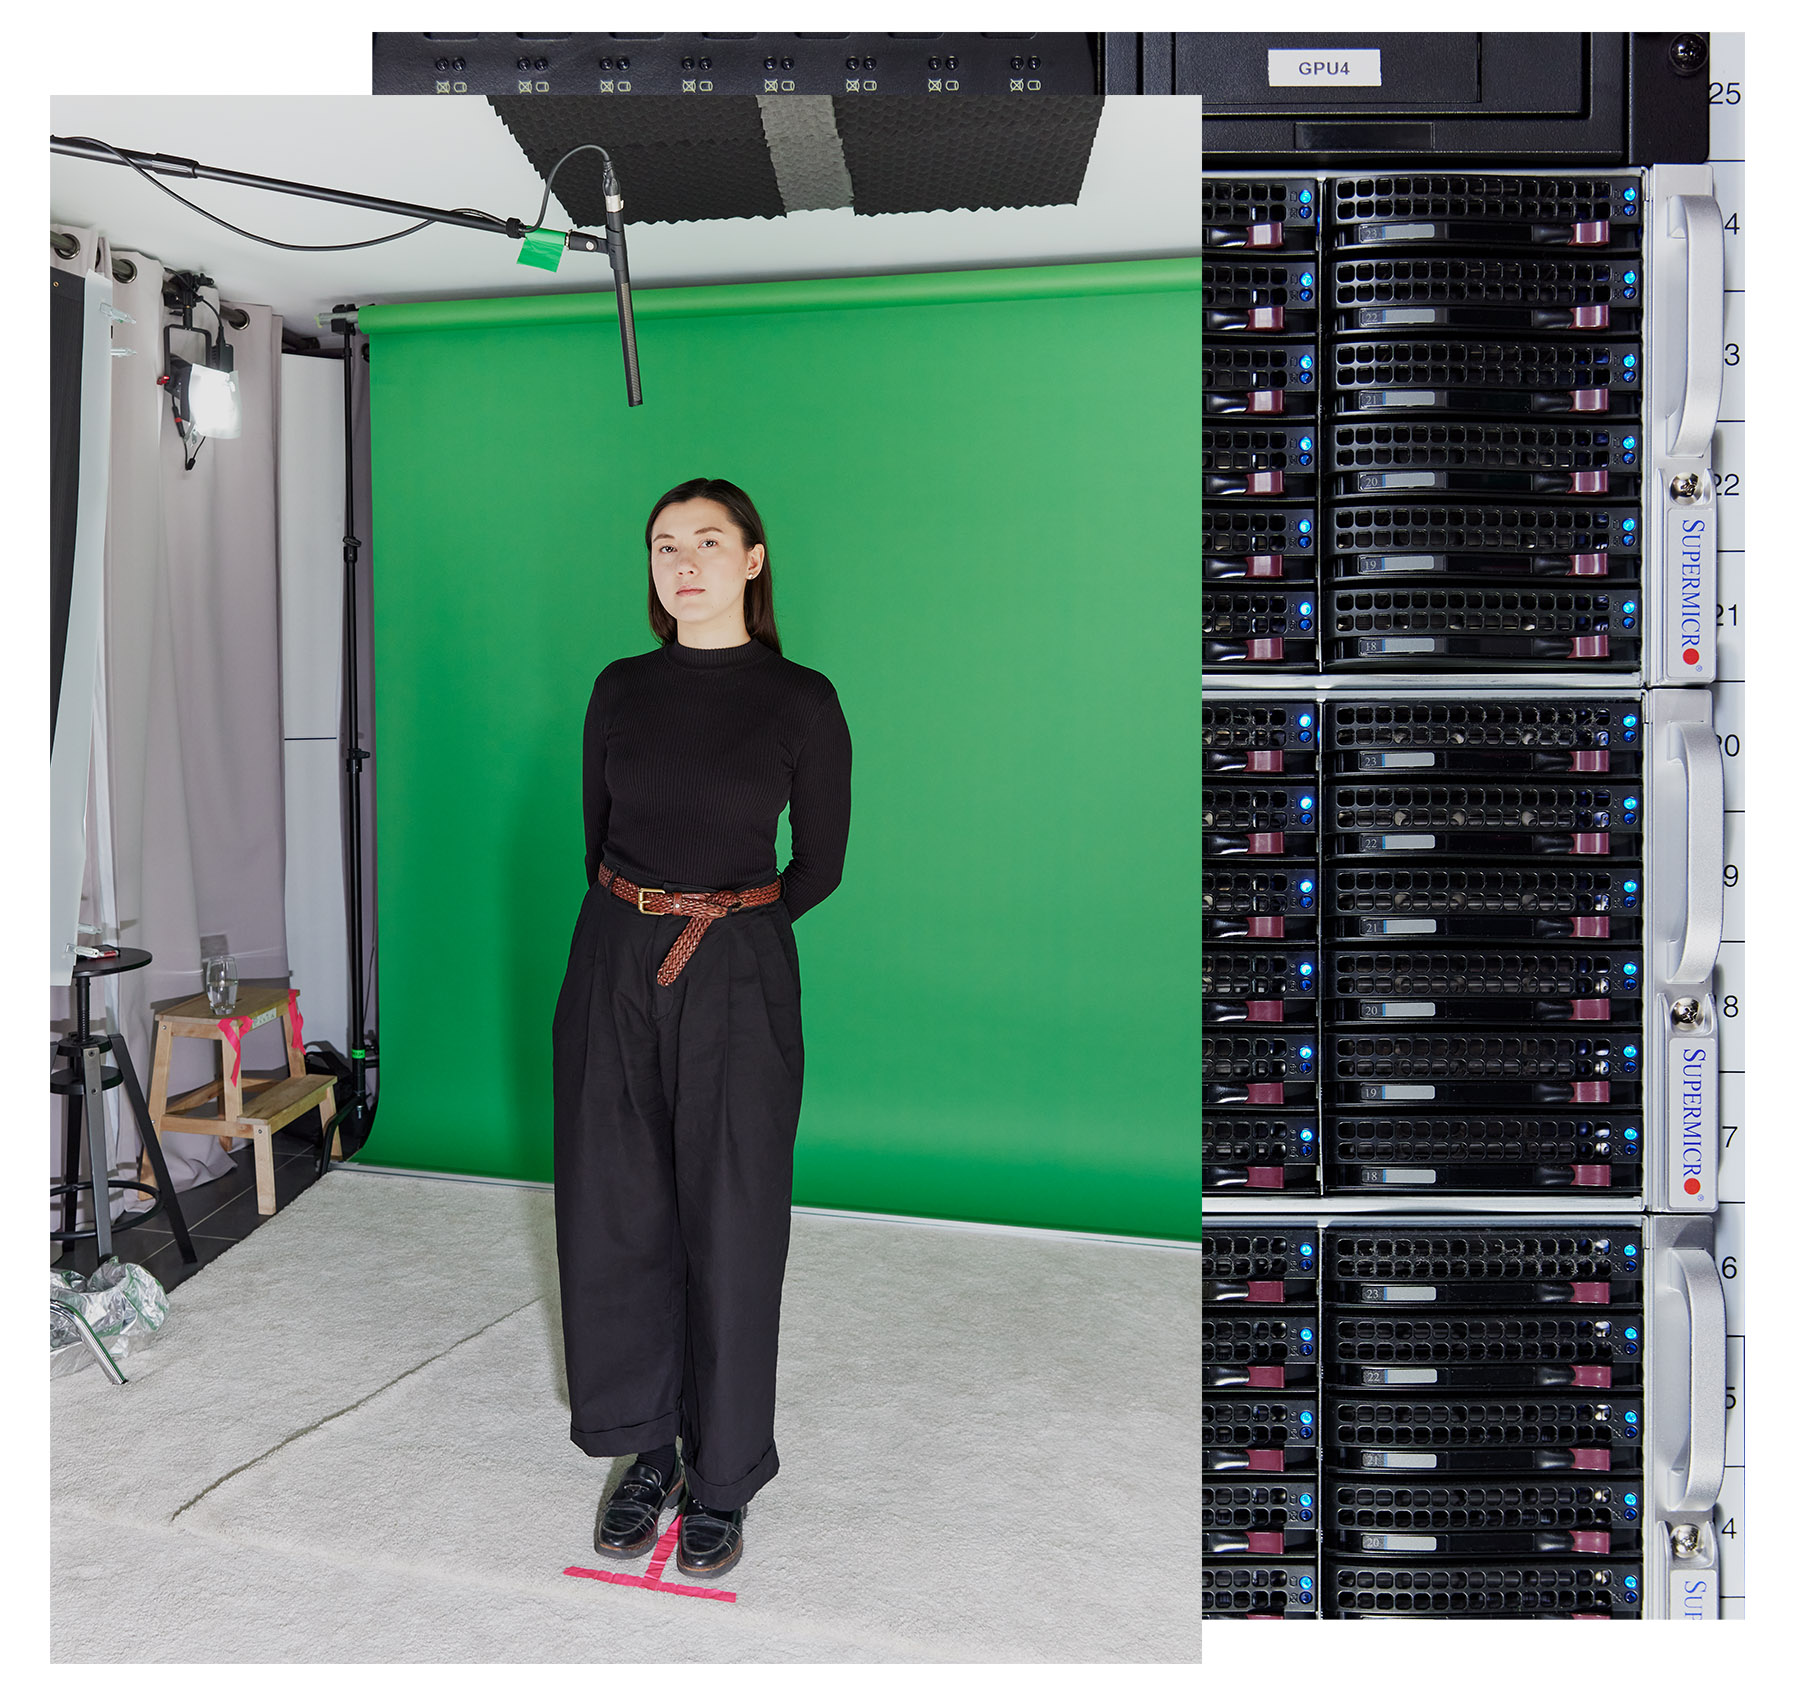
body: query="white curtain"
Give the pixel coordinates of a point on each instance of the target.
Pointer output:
(187, 842)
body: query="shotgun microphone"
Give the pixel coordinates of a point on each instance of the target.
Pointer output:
(619, 256)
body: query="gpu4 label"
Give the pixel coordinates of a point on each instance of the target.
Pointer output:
(1690, 589)
(1692, 1104)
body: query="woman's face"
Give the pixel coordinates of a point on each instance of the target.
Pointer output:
(701, 566)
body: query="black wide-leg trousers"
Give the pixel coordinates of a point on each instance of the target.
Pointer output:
(676, 1107)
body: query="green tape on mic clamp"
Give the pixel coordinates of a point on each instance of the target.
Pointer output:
(543, 248)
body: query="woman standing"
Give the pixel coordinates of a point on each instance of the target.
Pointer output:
(678, 1046)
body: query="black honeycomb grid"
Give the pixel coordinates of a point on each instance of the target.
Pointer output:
(1476, 1337)
(1534, 723)
(1568, 528)
(1479, 279)
(1561, 891)
(1533, 1254)
(1478, 1424)
(1410, 194)
(1548, 364)
(1533, 1589)
(1519, 447)
(1552, 975)
(1493, 1139)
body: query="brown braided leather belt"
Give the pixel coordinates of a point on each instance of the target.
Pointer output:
(702, 906)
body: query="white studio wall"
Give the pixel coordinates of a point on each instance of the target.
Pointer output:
(311, 642)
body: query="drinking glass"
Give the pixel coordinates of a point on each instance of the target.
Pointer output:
(221, 982)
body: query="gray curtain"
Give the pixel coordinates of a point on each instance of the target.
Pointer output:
(191, 727)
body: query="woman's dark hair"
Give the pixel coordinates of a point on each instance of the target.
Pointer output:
(757, 596)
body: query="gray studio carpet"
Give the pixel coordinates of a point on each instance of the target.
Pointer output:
(349, 1442)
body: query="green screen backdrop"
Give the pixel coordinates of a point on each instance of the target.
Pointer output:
(981, 491)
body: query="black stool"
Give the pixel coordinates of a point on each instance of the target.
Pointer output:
(84, 1082)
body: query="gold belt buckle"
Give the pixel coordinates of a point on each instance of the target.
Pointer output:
(649, 891)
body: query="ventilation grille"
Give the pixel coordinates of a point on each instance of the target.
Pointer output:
(1261, 1421)
(1476, 1139)
(1247, 1591)
(1486, 1423)
(1229, 283)
(1267, 1139)
(1253, 450)
(1531, 364)
(1256, 808)
(1245, 1057)
(1254, 726)
(1565, 891)
(1230, 366)
(1238, 892)
(1256, 1506)
(1454, 527)
(1250, 1339)
(1569, 808)
(1232, 533)
(1260, 975)
(1240, 201)
(1534, 1590)
(1470, 1337)
(1234, 614)
(1520, 1256)
(1472, 1055)
(1569, 724)
(1479, 445)
(1231, 1256)
(1501, 1504)
(1528, 973)
(1580, 199)
(1549, 282)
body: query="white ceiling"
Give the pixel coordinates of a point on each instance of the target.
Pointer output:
(1141, 199)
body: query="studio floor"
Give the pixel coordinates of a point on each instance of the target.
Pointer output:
(349, 1442)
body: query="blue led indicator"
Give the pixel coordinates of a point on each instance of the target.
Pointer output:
(1630, 1134)
(1308, 279)
(1629, 720)
(1629, 523)
(1632, 1582)
(1630, 885)
(1309, 1582)
(1306, 444)
(1306, 968)
(1631, 193)
(1632, 1336)
(1305, 1052)
(1630, 967)
(1304, 526)
(1629, 442)
(1629, 360)
(1305, 196)
(1631, 1049)
(1306, 362)
(1307, 1418)
(1308, 1335)
(1632, 1418)
(1305, 720)
(1308, 1500)
(1305, 608)
(1630, 803)
(1308, 1136)
(1307, 1248)
(1629, 1249)
(1630, 277)
(1307, 885)
(1629, 606)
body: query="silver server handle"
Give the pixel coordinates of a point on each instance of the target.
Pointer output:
(1695, 748)
(1690, 1483)
(1694, 222)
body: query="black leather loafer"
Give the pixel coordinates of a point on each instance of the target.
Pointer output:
(632, 1519)
(709, 1541)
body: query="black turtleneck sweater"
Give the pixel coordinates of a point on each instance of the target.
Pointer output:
(690, 755)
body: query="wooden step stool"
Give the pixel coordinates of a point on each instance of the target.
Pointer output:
(275, 1102)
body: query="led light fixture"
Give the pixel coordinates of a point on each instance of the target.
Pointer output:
(206, 402)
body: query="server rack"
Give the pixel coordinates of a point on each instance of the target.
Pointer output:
(1464, 1332)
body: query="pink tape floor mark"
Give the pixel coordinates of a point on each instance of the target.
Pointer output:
(657, 1566)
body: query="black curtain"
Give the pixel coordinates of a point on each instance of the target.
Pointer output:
(66, 318)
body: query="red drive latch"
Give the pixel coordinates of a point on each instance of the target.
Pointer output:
(1589, 480)
(1265, 1010)
(1589, 316)
(1592, 1177)
(1590, 1008)
(1589, 1541)
(1267, 318)
(1589, 562)
(1590, 234)
(1590, 398)
(1265, 926)
(1272, 234)
(1268, 1377)
(1266, 650)
(1589, 1295)
(1268, 483)
(1590, 645)
(1265, 1459)
(1589, 926)
(1589, 844)
(1265, 1178)
(1589, 762)
(1590, 1090)
(1266, 1095)
(1582, 1459)
(1265, 568)
(1266, 1290)
(1269, 1541)
(1582, 1377)
(1265, 843)
(1265, 401)
(1265, 761)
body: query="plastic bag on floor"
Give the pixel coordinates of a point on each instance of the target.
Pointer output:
(95, 1319)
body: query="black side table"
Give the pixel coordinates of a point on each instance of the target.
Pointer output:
(83, 1082)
